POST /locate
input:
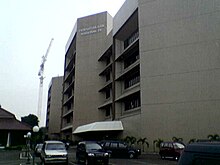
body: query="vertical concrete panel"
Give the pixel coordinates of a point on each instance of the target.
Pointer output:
(180, 68)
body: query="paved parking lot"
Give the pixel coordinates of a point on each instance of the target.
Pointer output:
(12, 158)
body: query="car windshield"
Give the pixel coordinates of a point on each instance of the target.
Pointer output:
(93, 146)
(55, 146)
(178, 145)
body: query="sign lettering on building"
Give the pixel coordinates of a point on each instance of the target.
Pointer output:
(91, 29)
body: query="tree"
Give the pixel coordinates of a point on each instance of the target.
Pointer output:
(131, 140)
(157, 143)
(31, 120)
(213, 137)
(192, 140)
(175, 139)
(143, 141)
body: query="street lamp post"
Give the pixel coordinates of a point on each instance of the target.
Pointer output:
(35, 130)
(28, 147)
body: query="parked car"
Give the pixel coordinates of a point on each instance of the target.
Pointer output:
(91, 153)
(171, 150)
(38, 148)
(120, 149)
(201, 153)
(54, 152)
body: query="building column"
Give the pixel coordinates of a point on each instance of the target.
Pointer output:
(8, 140)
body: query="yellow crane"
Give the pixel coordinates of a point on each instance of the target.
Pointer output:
(41, 77)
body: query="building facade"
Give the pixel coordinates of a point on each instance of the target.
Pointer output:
(12, 131)
(54, 106)
(89, 39)
(155, 69)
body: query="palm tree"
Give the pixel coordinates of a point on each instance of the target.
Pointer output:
(175, 139)
(192, 140)
(143, 141)
(213, 137)
(127, 139)
(131, 140)
(157, 143)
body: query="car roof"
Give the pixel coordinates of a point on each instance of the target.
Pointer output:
(205, 147)
(118, 141)
(87, 142)
(53, 141)
(170, 142)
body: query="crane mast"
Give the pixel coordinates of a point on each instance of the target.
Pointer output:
(41, 77)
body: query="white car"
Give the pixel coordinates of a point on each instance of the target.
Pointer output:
(54, 152)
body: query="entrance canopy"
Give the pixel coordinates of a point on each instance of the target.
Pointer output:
(100, 126)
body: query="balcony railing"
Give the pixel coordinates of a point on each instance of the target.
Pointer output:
(131, 39)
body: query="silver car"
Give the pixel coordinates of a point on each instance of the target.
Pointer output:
(54, 152)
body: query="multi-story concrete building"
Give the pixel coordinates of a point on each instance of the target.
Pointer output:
(54, 106)
(155, 75)
(89, 39)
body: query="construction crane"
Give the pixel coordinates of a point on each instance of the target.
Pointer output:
(41, 77)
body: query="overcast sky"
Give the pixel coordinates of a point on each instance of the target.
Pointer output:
(26, 29)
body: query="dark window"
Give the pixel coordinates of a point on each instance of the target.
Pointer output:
(68, 119)
(114, 145)
(107, 76)
(107, 144)
(131, 59)
(69, 94)
(107, 93)
(108, 111)
(131, 39)
(132, 102)
(69, 106)
(108, 60)
(121, 145)
(132, 80)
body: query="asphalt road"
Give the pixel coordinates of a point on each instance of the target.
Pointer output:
(13, 158)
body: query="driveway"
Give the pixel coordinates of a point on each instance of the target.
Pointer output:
(12, 158)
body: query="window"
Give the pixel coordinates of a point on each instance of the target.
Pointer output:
(107, 76)
(107, 144)
(107, 93)
(132, 102)
(55, 146)
(108, 60)
(69, 106)
(121, 145)
(68, 120)
(108, 111)
(131, 39)
(131, 59)
(132, 80)
(114, 145)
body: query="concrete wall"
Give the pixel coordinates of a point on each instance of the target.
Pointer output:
(55, 105)
(180, 68)
(92, 42)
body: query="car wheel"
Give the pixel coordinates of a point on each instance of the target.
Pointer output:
(131, 155)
